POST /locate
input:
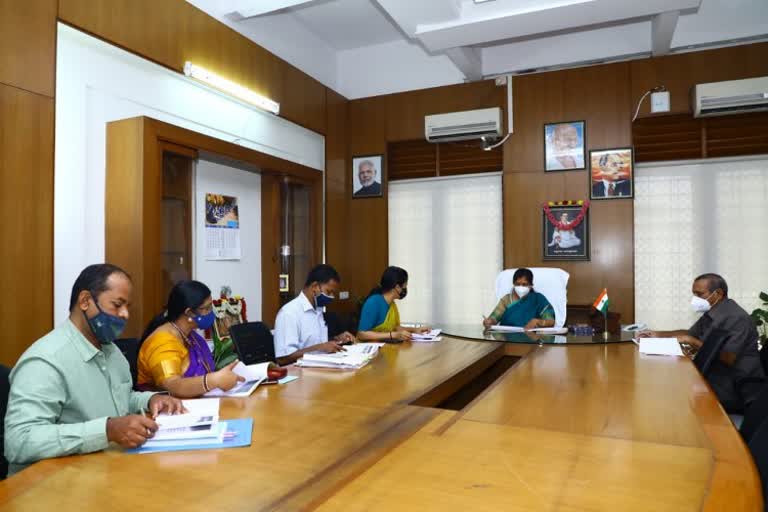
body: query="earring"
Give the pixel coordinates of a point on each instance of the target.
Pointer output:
(189, 319)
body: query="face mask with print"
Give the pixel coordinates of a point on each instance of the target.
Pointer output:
(105, 327)
(205, 321)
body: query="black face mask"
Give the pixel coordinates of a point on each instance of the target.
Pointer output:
(403, 293)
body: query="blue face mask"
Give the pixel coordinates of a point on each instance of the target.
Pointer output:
(107, 328)
(205, 321)
(323, 300)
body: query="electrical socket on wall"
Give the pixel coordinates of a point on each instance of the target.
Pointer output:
(660, 101)
(343, 295)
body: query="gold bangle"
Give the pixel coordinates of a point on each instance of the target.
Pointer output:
(205, 382)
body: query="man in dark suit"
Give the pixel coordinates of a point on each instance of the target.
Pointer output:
(367, 173)
(738, 361)
(613, 182)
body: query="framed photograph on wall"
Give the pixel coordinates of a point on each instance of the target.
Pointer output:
(565, 231)
(564, 146)
(367, 176)
(612, 173)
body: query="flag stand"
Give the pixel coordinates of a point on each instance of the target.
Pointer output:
(605, 326)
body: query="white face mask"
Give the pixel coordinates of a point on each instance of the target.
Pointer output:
(700, 305)
(522, 291)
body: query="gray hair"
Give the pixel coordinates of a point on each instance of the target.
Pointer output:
(369, 164)
(714, 282)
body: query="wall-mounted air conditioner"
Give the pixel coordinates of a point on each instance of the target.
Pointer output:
(470, 124)
(731, 97)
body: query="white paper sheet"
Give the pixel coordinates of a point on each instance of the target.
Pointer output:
(660, 346)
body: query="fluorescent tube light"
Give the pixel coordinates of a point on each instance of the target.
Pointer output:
(229, 87)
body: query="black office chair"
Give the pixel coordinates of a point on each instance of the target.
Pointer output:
(755, 415)
(253, 342)
(710, 350)
(130, 349)
(764, 359)
(758, 446)
(5, 389)
(338, 323)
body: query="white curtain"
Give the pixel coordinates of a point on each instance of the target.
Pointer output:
(696, 217)
(447, 233)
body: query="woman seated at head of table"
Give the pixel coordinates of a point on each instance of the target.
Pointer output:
(522, 307)
(175, 358)
(380, 319)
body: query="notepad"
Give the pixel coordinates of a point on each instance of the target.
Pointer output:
(660, 346)
(201, 420)
(231, 434)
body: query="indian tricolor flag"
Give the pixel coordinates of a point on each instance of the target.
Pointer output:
(602, 302)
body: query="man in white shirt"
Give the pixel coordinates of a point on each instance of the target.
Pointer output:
(300, 326)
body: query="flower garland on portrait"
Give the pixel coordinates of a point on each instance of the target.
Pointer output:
(566, 226)
(223, 349)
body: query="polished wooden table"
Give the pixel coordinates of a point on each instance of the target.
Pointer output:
(583, 427)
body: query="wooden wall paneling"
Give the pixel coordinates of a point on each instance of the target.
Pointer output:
(406, 111)
(468, 157)
(671, 137)
(28, 45)
(598, 95)
(681, 72)
(270, 247)
(337, 169)
(176, 32)
(538, 99)
(124, 193)
(26, 204)
(367, 218)
(524, 194)
(410, 159)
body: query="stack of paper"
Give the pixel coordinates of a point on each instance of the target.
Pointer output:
(254, 374)
(352, 357)
(433, 335)
(198, 429)
(660, 346)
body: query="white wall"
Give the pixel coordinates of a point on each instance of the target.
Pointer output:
(97, 83)
(243, 275)
(392, 67)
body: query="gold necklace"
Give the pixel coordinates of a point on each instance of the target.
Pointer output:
(184, 337)
(186, 341)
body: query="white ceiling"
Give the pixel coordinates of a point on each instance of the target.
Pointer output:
(369, 47)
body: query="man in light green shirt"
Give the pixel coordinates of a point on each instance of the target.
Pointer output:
(71, 391)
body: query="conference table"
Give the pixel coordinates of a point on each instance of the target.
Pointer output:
(466, 423)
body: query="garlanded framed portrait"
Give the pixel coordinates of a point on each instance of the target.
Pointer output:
(612, 173)
(565, 231)
(564, 146)
(367, 176)
(229, 311)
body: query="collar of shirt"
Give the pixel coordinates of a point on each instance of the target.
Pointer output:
(84, 347)
(720, 310)
(306, 305)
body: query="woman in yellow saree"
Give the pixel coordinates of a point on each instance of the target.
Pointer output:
(380, 319)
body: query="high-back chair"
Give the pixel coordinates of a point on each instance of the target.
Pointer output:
(253, 342)
(550, 282)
